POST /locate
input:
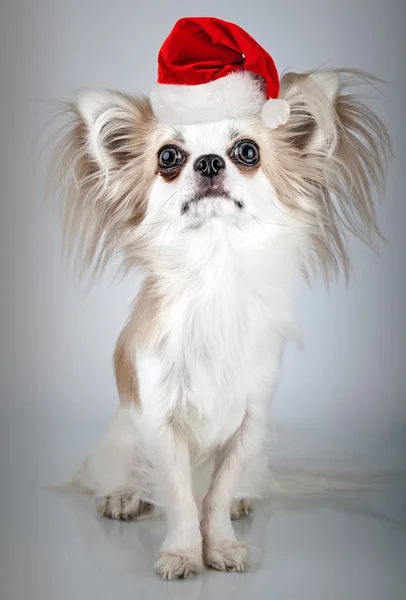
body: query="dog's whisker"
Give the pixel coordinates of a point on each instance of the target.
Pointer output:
(286, 214)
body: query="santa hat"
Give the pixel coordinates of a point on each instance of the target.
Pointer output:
(210, 70)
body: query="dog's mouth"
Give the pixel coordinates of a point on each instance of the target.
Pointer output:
(207, 194)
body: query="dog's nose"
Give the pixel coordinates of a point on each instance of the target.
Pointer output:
(209, 165)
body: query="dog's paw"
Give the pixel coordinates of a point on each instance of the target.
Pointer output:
(178, 564)
(227, 556)
(240, 509)
(123, 507)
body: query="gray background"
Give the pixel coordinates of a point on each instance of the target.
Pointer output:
(56, 381)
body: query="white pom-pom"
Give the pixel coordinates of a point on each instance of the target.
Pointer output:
(275, 113)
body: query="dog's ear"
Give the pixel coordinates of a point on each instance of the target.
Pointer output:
(115, 123)
(332, 158)
(102, 169)
(311, 97)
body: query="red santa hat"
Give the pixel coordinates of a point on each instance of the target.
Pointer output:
(211, 70)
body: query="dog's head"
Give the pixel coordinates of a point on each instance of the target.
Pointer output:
(211, 170)
(137, 185)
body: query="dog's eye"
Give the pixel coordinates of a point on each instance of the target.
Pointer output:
(246, 152)
(170, 157)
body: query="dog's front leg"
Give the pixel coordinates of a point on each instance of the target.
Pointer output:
(220, 548)
(181, 552)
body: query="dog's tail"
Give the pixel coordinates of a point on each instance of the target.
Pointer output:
(295, 465)
(290, 481)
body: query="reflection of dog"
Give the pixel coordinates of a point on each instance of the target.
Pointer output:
(220, 188)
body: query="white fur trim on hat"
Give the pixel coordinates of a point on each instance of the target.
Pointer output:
(237, 95)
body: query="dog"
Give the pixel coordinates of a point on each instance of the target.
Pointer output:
(221, 216)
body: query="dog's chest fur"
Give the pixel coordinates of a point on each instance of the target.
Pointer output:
(223, 329)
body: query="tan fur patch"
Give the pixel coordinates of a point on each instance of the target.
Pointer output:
(126, 370)
(142, 329)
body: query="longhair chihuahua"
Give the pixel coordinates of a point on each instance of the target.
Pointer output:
(221, 187)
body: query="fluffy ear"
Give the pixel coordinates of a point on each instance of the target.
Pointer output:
(102, 169)
(311, 97)
(332, 158)
(112, 123)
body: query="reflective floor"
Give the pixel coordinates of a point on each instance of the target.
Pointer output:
(54, 546)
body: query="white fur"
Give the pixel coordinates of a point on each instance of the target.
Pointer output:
(238, 95)
(329, 82)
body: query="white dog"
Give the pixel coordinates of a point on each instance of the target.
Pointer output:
(220, 213)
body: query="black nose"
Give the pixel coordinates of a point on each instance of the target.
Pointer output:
(209, 165)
